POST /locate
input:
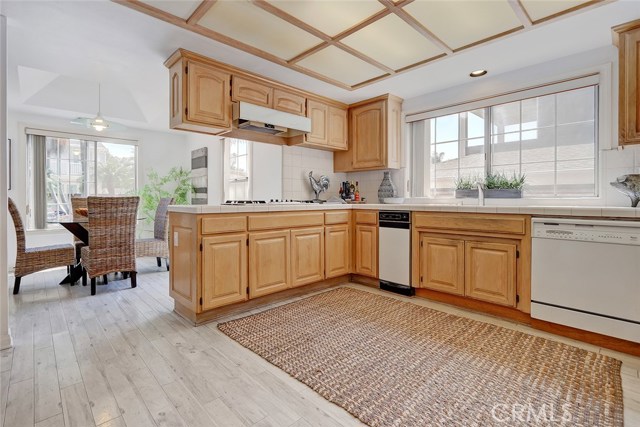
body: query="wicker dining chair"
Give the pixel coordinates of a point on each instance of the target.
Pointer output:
(78, 203)
(32, 260)
(112, 237)
(157, 246)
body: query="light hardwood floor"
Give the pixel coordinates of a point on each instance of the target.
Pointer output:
(123, 358)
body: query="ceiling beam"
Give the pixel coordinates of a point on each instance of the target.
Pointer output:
(521, 13)
(365, 58)
(402, 14)
(200, 11)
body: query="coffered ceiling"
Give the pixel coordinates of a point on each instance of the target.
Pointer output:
(355, 43)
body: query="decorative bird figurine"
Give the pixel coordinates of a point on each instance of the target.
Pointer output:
(629, 185)
(318, 186)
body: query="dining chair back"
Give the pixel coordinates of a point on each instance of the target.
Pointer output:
(36, 259)
(112, 236)
(158, 245)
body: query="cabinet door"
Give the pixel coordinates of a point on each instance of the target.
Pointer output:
(253, 92)
(269, 262)
(366, 250)
(338, 128)
(289, 102)
(490, 272)
(629, 100)
(224, 270)
(319, 115)
(337, 252)
(208, 96)
(442, 264)
(369, 135)
(307, 256)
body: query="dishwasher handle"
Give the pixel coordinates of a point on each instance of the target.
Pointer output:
(395, 224)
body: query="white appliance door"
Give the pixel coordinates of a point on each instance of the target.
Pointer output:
(394, 255)
(595, 278)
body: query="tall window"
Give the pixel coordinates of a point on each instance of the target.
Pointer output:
(550, 139)
(237, 161)
(59, 167)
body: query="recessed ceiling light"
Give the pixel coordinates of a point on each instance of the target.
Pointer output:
(478, 73)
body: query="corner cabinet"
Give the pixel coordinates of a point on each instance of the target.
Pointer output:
(200, 99)
(375, 140)
(627, 38)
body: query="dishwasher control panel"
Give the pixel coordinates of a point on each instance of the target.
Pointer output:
(620, 232)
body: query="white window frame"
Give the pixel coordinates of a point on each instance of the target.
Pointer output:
(226, 167)
(601, 78)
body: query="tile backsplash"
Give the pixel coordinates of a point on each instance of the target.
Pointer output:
(615, 163)
(297, 162)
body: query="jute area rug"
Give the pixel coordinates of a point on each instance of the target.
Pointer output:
(394, 363)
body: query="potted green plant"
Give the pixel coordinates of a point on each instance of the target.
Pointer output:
(499, 186)
(467, 187)
(176, 183)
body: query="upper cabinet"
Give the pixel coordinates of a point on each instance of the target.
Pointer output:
(199, 97)
(318, 112)
(374, 136)
(251, 91)
(289, 102)
(627, 38)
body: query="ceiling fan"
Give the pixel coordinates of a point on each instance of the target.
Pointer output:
(97, 123)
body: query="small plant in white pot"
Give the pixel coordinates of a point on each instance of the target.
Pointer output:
(499, 186)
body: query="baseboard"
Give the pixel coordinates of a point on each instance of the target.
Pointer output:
(599, 340)
(475, 305)
(6, 341)
(198, 319)
(365, 280)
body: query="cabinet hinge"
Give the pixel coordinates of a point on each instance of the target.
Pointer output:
(186, 69)
(247, 242)
(517, 254)
(420, 279)
(200, 300)
(517, 299)
(186, 111)
(200, 247)
(247, 290)
(422, 244)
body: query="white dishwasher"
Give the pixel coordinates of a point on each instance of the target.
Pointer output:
(394, 251)
(586, 274)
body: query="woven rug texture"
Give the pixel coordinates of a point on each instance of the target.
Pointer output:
(394, 363)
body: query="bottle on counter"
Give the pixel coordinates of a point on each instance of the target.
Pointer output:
(352, 191)
(357, 193)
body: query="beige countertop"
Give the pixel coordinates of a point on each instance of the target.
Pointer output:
(578, 211)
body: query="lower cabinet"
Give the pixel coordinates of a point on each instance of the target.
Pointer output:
(337, 243)
(442, 264)
(224, 270)
(366, 250)
(269, 262)
(307, 256)
(490, 272)
(483, 270)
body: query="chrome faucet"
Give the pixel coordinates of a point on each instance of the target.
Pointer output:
(480, 193)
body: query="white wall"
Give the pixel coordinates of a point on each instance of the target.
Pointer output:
(159, 151)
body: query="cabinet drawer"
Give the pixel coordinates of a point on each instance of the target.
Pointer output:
(341, 217)
(367, 217)
(285, 220)
(224, 224)
(253, 92)
(501, 224)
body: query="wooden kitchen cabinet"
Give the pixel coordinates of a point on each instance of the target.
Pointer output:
(374, 136)
(307, 256)
(224, 270)
(442, 264)
(338, 128)
(318, 112)
(366, 250)
(207, 99)
(490, 272)
(337, 253)
(289, 102)
(251, 91)
(269, 262)
(627, 38)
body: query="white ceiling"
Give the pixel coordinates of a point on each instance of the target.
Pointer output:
(59, 51)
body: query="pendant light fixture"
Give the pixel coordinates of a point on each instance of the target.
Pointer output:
(98, 123)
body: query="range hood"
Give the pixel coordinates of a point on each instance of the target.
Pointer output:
(255, 118)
